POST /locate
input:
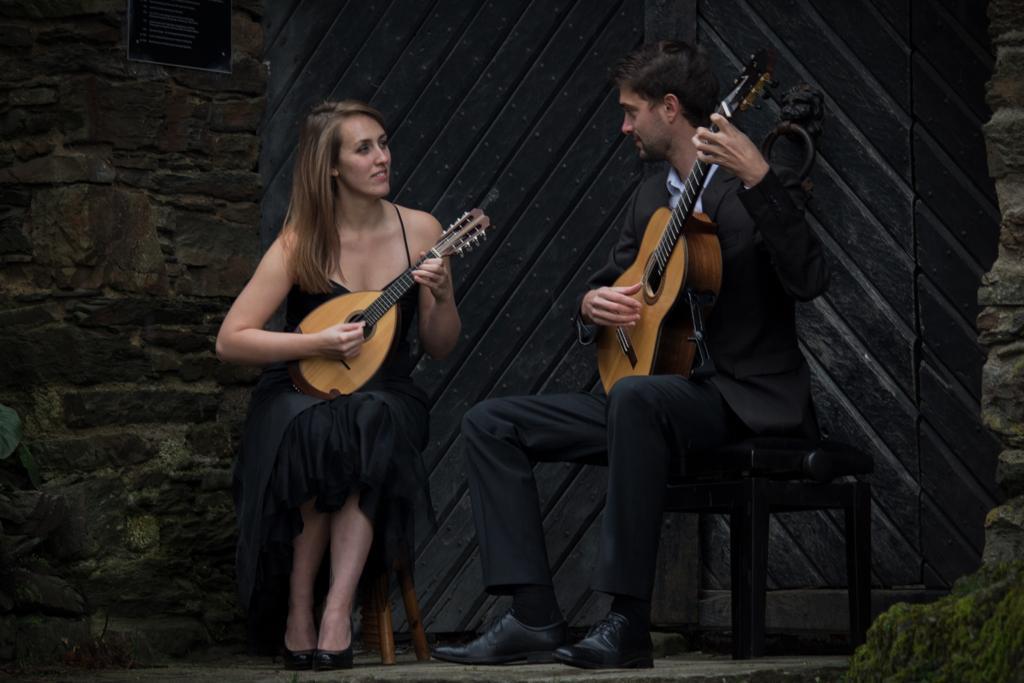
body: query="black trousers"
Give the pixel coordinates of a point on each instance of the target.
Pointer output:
(635, 431)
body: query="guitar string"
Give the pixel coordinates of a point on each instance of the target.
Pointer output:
(669, 238)
(671, 235)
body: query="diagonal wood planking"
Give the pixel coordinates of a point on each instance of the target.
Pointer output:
(513, 94)
(869, 244)
(905, 208)
(957, 226)
(528, 109)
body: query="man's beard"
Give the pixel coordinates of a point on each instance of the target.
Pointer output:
(655, 150)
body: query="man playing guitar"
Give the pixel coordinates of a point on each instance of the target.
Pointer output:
(770, 259)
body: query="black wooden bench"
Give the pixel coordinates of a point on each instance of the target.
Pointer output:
(751, 479)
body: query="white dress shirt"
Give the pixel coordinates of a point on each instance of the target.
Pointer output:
(676, 187)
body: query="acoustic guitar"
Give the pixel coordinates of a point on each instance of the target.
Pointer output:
(326, 377)
(679, 266)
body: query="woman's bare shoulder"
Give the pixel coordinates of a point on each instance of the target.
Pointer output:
(422, 226)
(278, 254)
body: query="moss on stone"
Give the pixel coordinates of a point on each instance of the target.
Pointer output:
(174, 452)
(976, 634)
(47, 414)
(142, 533)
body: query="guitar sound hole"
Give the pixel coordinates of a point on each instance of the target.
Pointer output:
(652, 281)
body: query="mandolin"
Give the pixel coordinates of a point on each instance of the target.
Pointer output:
(679, 266)
(327, 377)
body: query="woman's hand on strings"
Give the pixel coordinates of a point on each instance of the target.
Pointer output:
(342, 341)
(433, 274)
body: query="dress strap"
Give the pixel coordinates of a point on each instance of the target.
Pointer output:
(405, 239)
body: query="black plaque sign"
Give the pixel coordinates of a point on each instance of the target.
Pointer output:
(192, 33)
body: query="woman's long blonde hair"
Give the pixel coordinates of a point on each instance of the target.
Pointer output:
(309, 225)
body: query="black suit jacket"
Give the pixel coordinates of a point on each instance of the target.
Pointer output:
(770, 259)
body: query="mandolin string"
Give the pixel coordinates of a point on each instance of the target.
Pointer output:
(376, 310)
(393, 292)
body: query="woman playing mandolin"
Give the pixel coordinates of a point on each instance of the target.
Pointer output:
(324, 476)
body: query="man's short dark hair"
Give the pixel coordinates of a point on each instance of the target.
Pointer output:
(656, 69)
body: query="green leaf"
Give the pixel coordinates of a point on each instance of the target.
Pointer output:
(10, 431)
(29, 463)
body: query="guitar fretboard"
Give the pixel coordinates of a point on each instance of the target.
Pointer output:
(692, 186)
(750, 83)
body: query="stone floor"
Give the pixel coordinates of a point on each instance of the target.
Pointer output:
(686, 667)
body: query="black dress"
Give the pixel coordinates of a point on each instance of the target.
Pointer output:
(296, 447)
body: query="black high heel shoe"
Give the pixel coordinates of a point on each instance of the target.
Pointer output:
(299, 660)
(326, 660)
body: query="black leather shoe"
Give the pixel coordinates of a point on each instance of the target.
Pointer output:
(507, 640)
(299, 660)
(325, 660)
(612, 643)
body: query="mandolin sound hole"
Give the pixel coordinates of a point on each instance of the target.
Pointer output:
(357, 316)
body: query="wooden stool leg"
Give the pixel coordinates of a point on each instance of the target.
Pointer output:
(370, 627)
(412, 611)
(382, 607)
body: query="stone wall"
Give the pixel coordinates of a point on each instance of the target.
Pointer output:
(1001, 323)
(129, 214)
(974, 634)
